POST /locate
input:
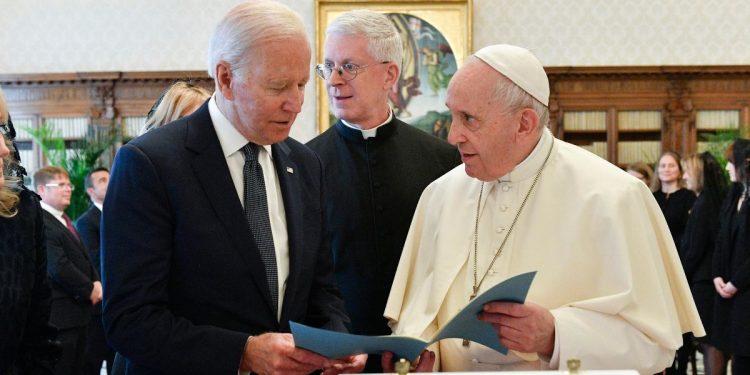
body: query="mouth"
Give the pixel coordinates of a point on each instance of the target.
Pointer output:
(340, 98)
(466, 156)
(286, 123)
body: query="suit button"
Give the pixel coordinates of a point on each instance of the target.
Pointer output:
(379, 207)
(376, 184)
(373, 161)
(381, 234)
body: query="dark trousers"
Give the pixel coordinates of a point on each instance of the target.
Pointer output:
(73, 342)
(97, 349)
(740, 365)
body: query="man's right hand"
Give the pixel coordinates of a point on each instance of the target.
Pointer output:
(96, 293)
(275, 353)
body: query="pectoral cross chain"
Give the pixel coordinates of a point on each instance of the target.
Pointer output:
(471, 297)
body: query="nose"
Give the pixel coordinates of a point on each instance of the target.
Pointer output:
(4, 151)
(294, 101)
(455, 136)
(335, 79)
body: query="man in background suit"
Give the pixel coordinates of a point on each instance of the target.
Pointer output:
(377, 165)
(75, 282)
(88, 228)
(225, 245)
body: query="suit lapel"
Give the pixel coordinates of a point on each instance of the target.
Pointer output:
(62, 228)
(210, 168)
(290, 190)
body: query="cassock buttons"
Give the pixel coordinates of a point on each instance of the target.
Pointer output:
(506, 187)
(503, 208)
(500, 229)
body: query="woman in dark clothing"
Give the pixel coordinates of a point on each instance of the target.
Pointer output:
(731, 266)
(26, 345)
(705, 178)
(675, 202)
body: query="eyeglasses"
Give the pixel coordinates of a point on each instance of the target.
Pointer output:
(347, 71)
(62, 185)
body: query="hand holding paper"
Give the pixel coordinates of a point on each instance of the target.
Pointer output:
(465, 325)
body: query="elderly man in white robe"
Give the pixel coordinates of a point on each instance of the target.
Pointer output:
(609, 288)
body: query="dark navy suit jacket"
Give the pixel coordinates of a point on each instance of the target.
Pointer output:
(184, 282)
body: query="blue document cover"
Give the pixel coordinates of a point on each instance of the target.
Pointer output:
(465, 325)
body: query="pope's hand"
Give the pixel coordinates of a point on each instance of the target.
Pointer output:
(425, 362)
(527, 328)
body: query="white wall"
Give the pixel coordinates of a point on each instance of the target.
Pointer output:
(44, 36)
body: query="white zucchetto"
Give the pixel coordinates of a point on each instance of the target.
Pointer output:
(520, 66)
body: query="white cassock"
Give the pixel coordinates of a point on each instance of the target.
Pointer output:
(607, 267)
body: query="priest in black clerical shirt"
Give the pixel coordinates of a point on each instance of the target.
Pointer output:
(376, 165)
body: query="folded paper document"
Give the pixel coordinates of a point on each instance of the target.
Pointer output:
(464, 325)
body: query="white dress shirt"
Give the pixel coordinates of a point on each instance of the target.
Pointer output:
(55, 212)
(232, 143)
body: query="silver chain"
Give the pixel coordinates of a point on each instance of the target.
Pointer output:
(476, 286)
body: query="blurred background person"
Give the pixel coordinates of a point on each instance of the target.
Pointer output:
(641, 171)
(675, 202)
(704, 177)
(177, 101)
(74, 281)
(88, 225)
(26, 339)
(732, 264)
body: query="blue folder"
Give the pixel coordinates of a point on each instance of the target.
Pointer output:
(464, 325)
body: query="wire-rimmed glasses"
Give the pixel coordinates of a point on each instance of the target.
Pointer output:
(347, 71)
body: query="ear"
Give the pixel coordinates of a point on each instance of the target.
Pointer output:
(41, 190)
(528, 123)
(90, 191)
(224, 77)
(391, 78)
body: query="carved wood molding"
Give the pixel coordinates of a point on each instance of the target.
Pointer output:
(101, 96)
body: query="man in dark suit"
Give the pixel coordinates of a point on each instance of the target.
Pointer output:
(377, 165)
(212, 236)
(75, 282)
(88, 228)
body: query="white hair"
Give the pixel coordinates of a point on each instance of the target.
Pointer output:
(384, 42)
(513, 98)
(245, 26)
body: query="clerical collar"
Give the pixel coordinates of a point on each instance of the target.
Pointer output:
(369, 133)
(529, 166)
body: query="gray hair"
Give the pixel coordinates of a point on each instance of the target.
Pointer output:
(384, 42)
(245, 26)
(514, 98)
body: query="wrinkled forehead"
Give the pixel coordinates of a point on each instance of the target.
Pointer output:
(475, 79)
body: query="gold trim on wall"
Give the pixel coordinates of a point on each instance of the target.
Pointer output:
(452, 17)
